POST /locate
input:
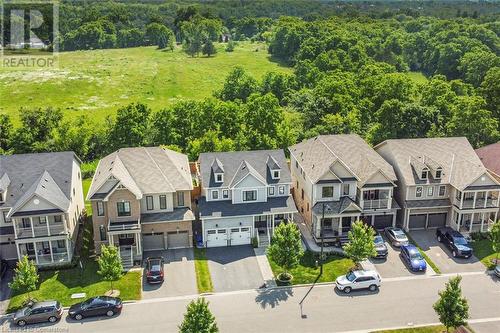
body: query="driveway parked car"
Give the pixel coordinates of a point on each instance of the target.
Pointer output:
(455, 241)
(96, 306)
(380, 246)
(358, 280)
(413, 258)
(39, 312)
(154, 270)
(396, 236)
(497, 271)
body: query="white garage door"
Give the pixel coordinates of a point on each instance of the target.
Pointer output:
(240, 236)
(216, 237)
(177, 240)
(153, 242)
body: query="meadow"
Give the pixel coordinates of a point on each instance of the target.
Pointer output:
(98, 82)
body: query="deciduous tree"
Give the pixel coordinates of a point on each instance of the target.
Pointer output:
(360, 245)
(198, 318)
(452, 308)
(286, 248)
(25, 276)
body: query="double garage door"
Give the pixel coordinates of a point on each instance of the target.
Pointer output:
(423, 221)
(156, 241)
(231, 236)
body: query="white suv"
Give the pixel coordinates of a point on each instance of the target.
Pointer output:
(358, 280)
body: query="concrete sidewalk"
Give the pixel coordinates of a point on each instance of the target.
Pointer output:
(265, 268)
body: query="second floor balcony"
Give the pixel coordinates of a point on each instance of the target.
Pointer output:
(31, 227)
(375, 199)
(375, 204)
(476, 200)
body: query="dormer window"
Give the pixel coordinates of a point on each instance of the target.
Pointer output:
(439, 172)
(276, 174)
(424, 173)
(219, 178)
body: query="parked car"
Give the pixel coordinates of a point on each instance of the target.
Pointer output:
(358, 280)
(455, 241)
(96, 306)
(396, 236)
(154, 270)
(497, 271)
(380, 246)
(412, 256)
(38, 312)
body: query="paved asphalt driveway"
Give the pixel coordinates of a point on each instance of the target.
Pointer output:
(5, 291)
(234, 268)
(441, 255)
(180, 277)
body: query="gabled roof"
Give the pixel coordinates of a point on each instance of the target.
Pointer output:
(44, 187)
(217, 166)
(238, 164)
(4, 182)
(144, 170)
(272, 163)
(318, 154)
(460, 164)
(47, 174)
(490, 156)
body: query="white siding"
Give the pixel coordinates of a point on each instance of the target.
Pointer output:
(238, 195)
(228, 222)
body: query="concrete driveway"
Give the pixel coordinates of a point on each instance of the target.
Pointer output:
(180, 276)
(441, 255)
(5, 291)
(234, 268)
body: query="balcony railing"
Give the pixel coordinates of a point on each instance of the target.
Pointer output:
(376, 204)
(54, 229)
(480, 203)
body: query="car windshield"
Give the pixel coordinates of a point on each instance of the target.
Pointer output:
(415, 255)
(351, 276)
(378, 240)
(399, 235)
(460, 241)
(87, 303)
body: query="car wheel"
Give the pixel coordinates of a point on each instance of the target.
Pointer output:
(78, 317)
(21, 323)
(110, 313)
(454, 253)
(373, 287)
(347, 290)
(439, 239)
(52, 319)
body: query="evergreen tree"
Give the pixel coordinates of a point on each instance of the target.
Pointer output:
(209, 48)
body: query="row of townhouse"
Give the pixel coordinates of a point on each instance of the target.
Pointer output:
(143, 198)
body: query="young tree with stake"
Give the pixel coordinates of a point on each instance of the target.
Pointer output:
(360, 245)
(110, 264)
(452, 308)
(286, 248)
(198, 318)
(25, 276)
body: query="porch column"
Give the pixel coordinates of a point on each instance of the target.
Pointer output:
(14, 224)
(267, 224)
(139, 243)
(272, 216)
(32, 229)
(136, 243)
(471, 222)
(51, 253)
(340, 224)
(67, 249)
(358, 217)
(18, 252)
(36, 252)
(459, 222)
(474, 202)
(373, 220)
(486, 199)
(47, 224)
(394, 219)
(482, 221)
(64, 222)
(461, 199)
(111, 239)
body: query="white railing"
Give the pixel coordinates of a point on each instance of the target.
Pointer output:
(54, 229)
(60, 256)
(376, 204)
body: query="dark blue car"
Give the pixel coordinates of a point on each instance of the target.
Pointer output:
(413, 258)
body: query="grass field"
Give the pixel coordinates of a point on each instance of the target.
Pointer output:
(203, 279)
(97, 82)
(483, 250)
(307, 271)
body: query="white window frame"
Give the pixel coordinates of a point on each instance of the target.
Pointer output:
(322, 193)
(181, 195)
(217, 180)
(270, 190)
(430, 191)
(439, 190)
(348, 189)
(225, 194)
(150, 197)
(243, 193)
(426, 172)
(281, 189)
(421, 191)
(276, 174)
(440, 173)
(163, 198)
(216, 192)
(100, 208)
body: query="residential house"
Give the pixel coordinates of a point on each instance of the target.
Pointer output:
(490, 156)
(244, 194)
(442, 182)
(41, 201)
(341, 178)
(141, 201)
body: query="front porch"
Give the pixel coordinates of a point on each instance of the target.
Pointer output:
(46, 252)
(335, 228)
(264, 226)
(471, 222)
(126, 235)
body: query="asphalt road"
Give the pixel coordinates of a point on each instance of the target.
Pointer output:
(398, 303)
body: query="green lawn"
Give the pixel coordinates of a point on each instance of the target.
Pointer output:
(60, 284)
(307, 272)
(203, 279)
(417, 77)
(484, 252)
(97, 82)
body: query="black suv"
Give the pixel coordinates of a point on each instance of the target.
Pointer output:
(455, 241)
